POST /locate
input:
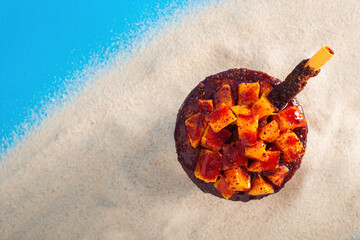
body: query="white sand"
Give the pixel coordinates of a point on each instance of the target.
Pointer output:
(105, 167)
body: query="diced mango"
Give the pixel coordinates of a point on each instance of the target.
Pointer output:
(278, 175)
(257, 152)
(265, 87)
(195, 127)
(220, 118)
(208, 166)
(238, 179)
(223, 187)
(247, 125)
(260, 187)
(223, 95)
(248, 93)
(290, 145)
(233, 155)
(270, 164)
(241, 110)
(269, 132)
(262, 108)
(290, 118)
(206, 107)
(214, 140)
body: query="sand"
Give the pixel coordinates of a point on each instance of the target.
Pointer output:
(105, 166)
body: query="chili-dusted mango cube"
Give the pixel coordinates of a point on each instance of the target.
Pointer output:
(290, 118)
(262, 108)
(233, 155)
(208, 166)
(290, 145)
(270, 164)
(238, 179)
(195, 127)
(260, 187)
(278, 175)
(265, 87)
(247, 125)
(223, 95)
(269, 132)
(242, 110)
(214, 140)
(257, 152)
(223, 187)
(220, 118)
(206, 107)
(248, 93)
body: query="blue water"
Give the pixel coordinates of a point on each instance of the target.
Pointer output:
(42, 43)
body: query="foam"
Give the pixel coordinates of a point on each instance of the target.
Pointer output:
(105, 166)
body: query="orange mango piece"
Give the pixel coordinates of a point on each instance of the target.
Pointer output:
(260, 187)
(238, 179)
(257, 152)
(223, 95)
(247, 125)
(242, 110)
(214, 140)
(269, 132)
(195, 127)
(233, 155)
(290, 145)
(263, 108)
(248, 93)
(265, 88)
(208, 166)
(206, 107)
(270, 164)
(220, 118)
(223, 187)
(290, 118)
(278, 175)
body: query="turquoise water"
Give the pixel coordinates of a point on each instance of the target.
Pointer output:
(44, 44)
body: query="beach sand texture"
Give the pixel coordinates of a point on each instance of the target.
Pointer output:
(105, 166)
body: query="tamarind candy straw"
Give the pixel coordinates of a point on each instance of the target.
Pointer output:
(320, 58)
(297, 79)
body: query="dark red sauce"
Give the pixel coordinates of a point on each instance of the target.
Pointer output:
(188, 156)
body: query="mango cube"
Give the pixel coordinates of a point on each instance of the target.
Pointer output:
(242, 110)
(206, 107)
(260, 187)
(270, 164)
(278, 175)
(208, 166)
(195, 127)
(248, 93)
(238, 179)
(223, 187)
(290, 145)
(220, 118)
(290, 118)
(223, 95)
(257, 152)
(247, 125)
(265, 88)
(233, 155)
(214, 140)
(263, 108)
(269, 132)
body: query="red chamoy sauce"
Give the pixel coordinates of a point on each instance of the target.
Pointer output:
(194, 160)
